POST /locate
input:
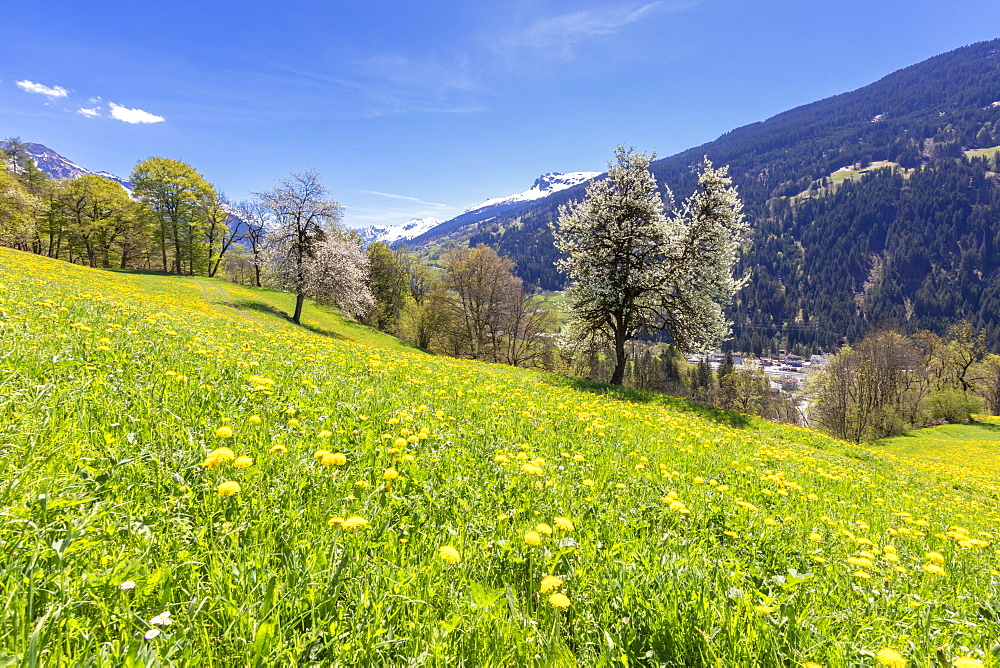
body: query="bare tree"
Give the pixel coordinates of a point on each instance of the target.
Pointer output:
(221, 232)
(252, 227)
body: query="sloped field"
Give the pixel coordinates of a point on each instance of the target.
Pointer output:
(188, 479)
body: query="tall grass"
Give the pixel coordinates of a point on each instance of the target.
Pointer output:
(679, 536)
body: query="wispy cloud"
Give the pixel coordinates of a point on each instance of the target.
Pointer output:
(133, 115)
(51, 92)
(559, 37)
(529, 46)
(405, 197)
(93, 112)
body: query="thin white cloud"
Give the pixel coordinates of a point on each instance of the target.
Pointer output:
(51, 92)
(409, 199)
(89, 113)
(539, 45)
(133, 115)
(559, 36)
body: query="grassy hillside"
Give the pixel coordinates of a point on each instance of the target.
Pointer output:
(970, 452)
(378, 506)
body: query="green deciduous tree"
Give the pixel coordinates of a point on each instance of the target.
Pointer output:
(633, 268)
(390, 285)
(177, 193)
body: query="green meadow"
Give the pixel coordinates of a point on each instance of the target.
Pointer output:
(190, 479)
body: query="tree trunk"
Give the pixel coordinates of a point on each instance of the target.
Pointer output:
(619, 374)
(299, 299)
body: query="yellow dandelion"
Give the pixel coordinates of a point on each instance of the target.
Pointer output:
(563, 524)
(890, 657)
(747, 506)
(228, 488)
(731, 534)
(812, 664)
(532, 538)
(254, 419)
(559, 601)
(449, 554)
(933, 569)
(326, 433)
(936, 557)
(335, 521)
(399, 443)
(293, 423)
(967, 662)
(390, 474)
(550, 583)
(544, 529)
(354, 522)
(587, 482)
(320, 454)
(218, 456)
(334, 459)
(278, 447)
(224, 432)
(864, 575)
(815, 537)
(243, 462)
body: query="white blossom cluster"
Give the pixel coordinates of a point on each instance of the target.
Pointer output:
(633, 267)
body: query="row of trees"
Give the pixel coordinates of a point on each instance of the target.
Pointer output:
(173, 220)
(891, 382)
(636, 265)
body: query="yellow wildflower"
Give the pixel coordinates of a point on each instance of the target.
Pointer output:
(550, 583)
(532, 538)
(890, 657)
(243, 462)
(449, 554)
(563, 523)
(224, 432)
(334, 459)
(934, 569)
(228, 488)
(354, 522)
(559, 601)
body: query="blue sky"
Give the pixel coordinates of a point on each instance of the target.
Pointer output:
(426, 108)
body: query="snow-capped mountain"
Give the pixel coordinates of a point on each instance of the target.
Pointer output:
(471, 218)
(544, 185)
(390, 234)
(60, 167)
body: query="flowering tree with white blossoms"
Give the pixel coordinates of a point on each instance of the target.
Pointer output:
(633, 268)
(308, 251)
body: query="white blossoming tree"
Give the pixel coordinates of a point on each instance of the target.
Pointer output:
(634, 268)
(308, 251)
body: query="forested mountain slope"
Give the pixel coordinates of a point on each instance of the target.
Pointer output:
(835, 253)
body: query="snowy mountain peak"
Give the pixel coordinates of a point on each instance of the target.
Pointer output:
(390, 234)
(60, 167)
(544, 185)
